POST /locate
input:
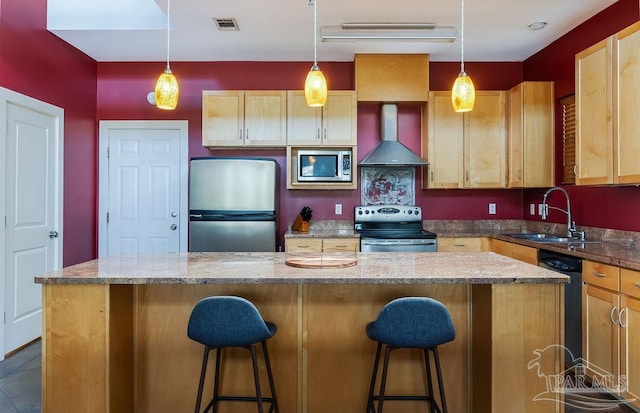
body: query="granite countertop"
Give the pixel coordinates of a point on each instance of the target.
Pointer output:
(323, 233)
(270, 268)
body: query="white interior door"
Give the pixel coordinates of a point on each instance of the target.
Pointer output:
(33, 211)
(143, 204)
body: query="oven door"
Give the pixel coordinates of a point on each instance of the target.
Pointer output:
(398, 245)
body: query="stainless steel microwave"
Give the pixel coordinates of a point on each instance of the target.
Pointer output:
(318, 165)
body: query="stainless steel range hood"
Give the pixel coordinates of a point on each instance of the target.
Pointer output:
(390, 152)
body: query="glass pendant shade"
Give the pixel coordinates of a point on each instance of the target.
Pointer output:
(463, 94)
(315, 88)
(167, 92)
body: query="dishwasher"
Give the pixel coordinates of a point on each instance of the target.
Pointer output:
(571, 266)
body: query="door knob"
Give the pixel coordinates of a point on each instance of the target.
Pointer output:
(53, 234)
(173, 227)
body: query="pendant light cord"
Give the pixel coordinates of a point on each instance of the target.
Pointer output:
(315, 28)
(462, 39)
(168, 30)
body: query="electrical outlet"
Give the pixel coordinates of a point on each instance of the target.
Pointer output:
(492, 209)
(540, 207)
(338, 209)
(532, 209)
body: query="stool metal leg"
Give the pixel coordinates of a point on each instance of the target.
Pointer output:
(203, 372)
(274, 399)
(374, 376)
(427, 364)
(436, 358)
(256, 375)
(383, 380)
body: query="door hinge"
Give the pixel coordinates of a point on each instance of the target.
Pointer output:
(107, 217)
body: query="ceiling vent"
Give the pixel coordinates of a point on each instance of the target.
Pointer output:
(226, 24)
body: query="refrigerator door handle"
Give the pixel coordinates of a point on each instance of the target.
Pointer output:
(195, 216)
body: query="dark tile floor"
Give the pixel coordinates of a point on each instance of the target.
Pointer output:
(20, 381)
(21, 388)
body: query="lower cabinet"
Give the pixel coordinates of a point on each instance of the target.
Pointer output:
(611, 327)
(322, 244)
(517, 251)
(474, 244)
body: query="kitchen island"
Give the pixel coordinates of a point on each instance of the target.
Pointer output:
(115, 341)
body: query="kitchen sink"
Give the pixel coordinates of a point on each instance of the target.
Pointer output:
(543, 237)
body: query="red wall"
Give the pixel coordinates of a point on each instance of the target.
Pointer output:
(607, 206)
(36, 63)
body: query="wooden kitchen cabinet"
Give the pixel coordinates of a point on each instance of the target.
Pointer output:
(334, 124)
(516, 251)
(611, 325)
(392, 77)
(531, 135)
(464, 244)
(322, 244)
(466, 150)
(626, 101)
(607, 90)
(244, 118)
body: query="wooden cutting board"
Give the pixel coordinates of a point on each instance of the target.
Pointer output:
(321, 262)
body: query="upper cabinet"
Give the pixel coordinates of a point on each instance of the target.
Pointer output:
(607, 98)
(334, 124)
(392, 77)
(594, 131)
(244, 118)
(531, 135)
(466, 150)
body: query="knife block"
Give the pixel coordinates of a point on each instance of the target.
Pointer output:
(300, 225)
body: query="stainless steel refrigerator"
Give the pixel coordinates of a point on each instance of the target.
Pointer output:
(232, 204)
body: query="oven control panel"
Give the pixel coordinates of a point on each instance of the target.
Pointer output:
(388, 213)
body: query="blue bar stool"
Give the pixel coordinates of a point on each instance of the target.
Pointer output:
(229, 321)
(410, 322)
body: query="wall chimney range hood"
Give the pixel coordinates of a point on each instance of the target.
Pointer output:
(390, 152)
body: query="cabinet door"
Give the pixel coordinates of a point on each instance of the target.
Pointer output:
(341, 244)
(304, 123)
(627, 101)
(485, 141)
(445, 138)
(629, 344)
(594, 131)
(303, 245)
(531, 135)
(339, 119)
(265, 118)
(222, 118)
(600, 338)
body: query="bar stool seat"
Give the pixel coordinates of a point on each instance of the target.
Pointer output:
(230, 321)
(410, 322)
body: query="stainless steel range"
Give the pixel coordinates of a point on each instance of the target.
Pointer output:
(393, 228)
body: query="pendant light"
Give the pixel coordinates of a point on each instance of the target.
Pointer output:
(463, 94)
(315, 87)
(167, 92)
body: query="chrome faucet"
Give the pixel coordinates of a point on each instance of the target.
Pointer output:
(571, 225)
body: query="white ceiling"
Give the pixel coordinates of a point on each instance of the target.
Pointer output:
(282, 30)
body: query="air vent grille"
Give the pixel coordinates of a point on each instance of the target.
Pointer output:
(226, 23)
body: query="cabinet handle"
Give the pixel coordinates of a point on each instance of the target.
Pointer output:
(637, 284)
(620, 318)
(340, 246)
(325, 134)
(575, 169)
(247, 135)
(467, 175)
(303, 246)
(459, 245)
(519, 175)
(431, 176)
(614, 309)
(318, 135)
(599, 274)
(240, 134)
